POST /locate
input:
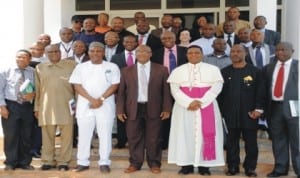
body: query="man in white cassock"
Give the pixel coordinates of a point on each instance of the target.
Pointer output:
(196, 136)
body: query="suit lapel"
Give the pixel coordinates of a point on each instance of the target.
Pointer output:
(252, 56)
(151, 74)
(123, 60)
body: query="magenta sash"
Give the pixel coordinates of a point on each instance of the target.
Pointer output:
(208, 121)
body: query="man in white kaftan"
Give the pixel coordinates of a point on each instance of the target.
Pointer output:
(186, 145)
(95, 81)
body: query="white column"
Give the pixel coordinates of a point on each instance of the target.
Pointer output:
(291, 24)
(21, 23)
(57, 14)
(267, 8)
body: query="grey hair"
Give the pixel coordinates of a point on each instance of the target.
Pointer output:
(96, 44)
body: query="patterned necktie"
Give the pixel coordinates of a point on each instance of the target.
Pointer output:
(143, 80)
(130, 59)
(258, 57)
(18, 85)
(172, 61)
(279, 82)
(229, 40)
(141, 39)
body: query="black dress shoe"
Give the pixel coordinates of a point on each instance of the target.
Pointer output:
(232, 171)
(276, 174)
(63, 167)
(250, 173)
(186, 170)
(81, 168)
(26, 167)
(9, 168)
(46, 167)
(35, 154)
(204, 170)
(104, 169)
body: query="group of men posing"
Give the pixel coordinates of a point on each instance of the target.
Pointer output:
(153, 87)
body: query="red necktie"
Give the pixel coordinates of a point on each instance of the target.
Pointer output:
(279, 82)
(130, 59)
(141, 39)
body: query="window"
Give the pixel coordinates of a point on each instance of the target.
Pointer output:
(230, 3)
(134, 4)
(173, 4)
(82, 5)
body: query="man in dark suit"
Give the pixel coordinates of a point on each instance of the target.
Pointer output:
(145, 37)
(166, 23)
(281, 78)
(112, 45)
(168, 40)
(162, 56)
(79, 49)
(143, 101)
(229, 35)
(124, 59)
(241, 103)
(271, 37)
(266, 52)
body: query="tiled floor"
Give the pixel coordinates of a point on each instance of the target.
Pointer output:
(120, 162)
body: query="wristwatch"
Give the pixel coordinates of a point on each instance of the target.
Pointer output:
(102, 98)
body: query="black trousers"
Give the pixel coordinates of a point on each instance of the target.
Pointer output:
(121, 133)
(17, 131)
(36, 137)
(233, 148)
(285, 139)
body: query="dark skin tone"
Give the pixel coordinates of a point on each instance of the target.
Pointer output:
(143, 55)
(194, 56)
(96, 55)
(22, 60)
(53, 54)
(237, 56)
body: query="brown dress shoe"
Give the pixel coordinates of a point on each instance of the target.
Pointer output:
(131, 169)
(155, 170)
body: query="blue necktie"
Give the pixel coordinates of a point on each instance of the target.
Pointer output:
(172, 61)
(229, 40)
(258, 57)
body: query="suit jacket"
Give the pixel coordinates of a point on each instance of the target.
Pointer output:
(291, 89)
(158, 56)
(85, 58)
(120, 49)
(242, 92)
(119, 59)
(272, 37)
(269, 55)
(153, 42)
(157, 32)
(159, 96)
(236, 39)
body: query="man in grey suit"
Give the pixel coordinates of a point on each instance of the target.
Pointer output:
(281, 79)
(271, 37)
(143, 101)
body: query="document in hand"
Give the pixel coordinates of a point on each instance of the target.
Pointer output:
(27, 87)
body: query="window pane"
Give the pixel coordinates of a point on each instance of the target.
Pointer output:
(230, 3)
(172, 4)
(279, 2)
(82, 5)
(134, 4)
